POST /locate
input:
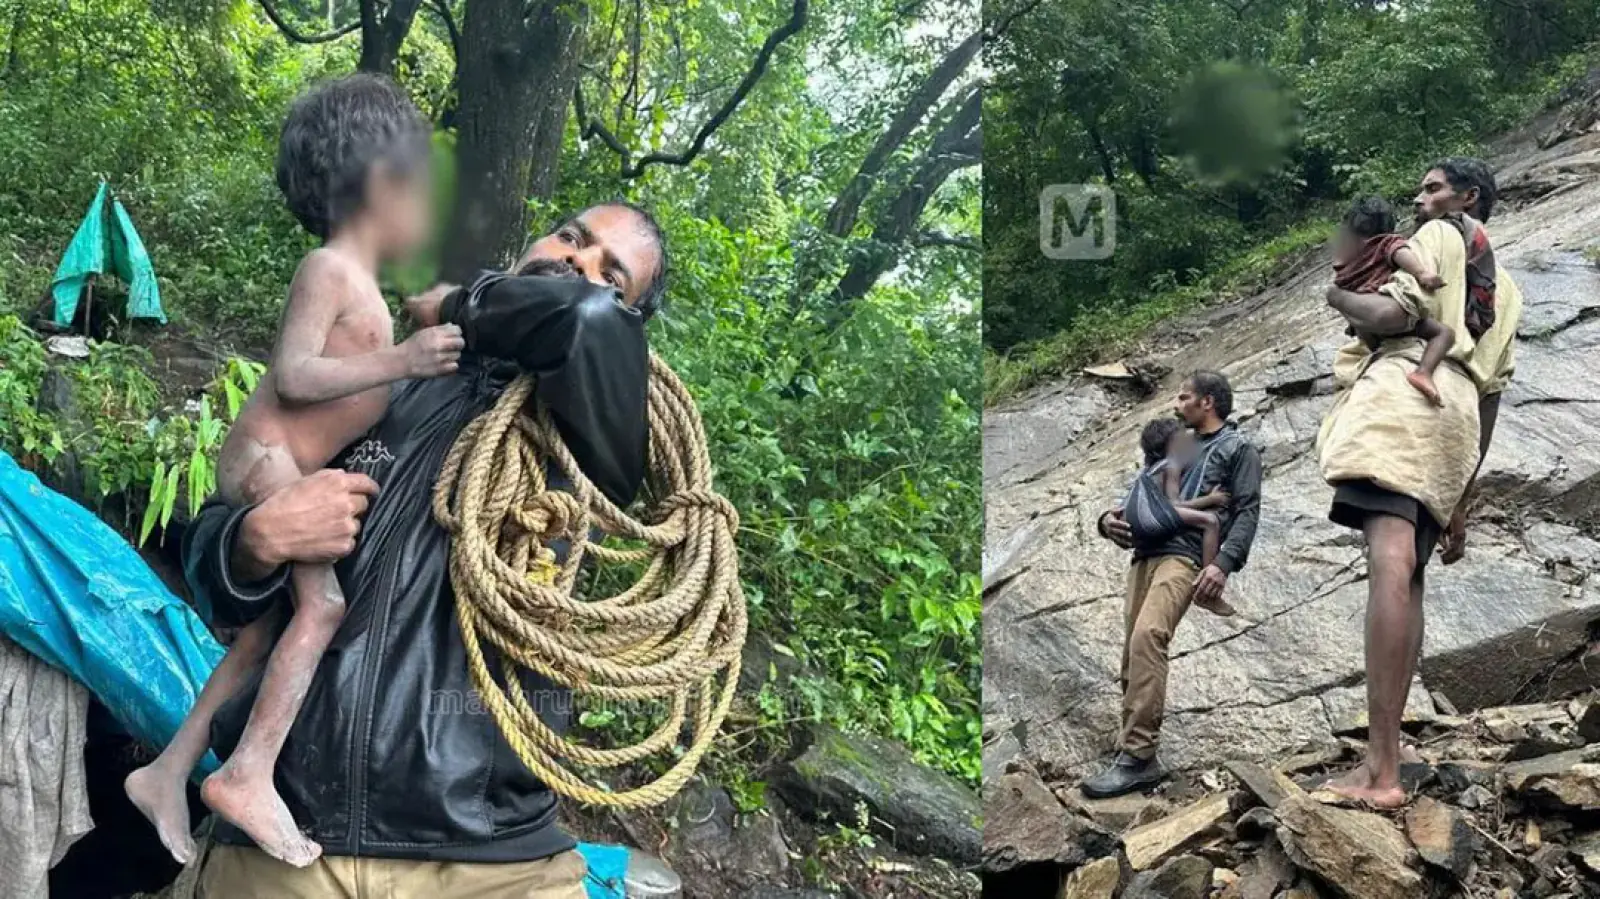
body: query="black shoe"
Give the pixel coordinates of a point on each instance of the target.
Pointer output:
(1124, 775)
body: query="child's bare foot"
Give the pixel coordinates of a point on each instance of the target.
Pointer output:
(1426, 387)
(253, 805)
(164, 800)
(1219, 607)
(1357, 784)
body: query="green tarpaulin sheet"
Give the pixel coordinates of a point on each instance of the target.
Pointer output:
(92, 248)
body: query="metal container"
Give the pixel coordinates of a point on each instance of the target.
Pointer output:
(649, 877)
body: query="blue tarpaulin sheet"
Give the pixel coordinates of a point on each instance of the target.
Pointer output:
(608, 870)
(74, 593)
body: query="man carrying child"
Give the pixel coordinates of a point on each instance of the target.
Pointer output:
(1165, 578)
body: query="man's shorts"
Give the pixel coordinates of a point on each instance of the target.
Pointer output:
(1355, 501)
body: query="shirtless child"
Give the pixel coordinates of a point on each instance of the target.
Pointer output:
(1366, 254)
(353, 168)
(1153, 509)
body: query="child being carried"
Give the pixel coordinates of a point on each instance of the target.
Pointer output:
(1153, 509)
(1367, 253)
(353, 166)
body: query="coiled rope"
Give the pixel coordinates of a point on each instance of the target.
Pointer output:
(670, 636)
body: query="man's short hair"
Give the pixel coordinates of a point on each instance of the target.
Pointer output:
(332, 137)
(1466, 172)
(654, 295)
(1369, 217)
(1214, 385)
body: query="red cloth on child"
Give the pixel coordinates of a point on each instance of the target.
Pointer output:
(1372, 267)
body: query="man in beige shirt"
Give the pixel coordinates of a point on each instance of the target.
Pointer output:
(1407, 487)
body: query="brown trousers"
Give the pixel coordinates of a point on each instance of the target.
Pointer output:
(1159, 591)
(239, 872)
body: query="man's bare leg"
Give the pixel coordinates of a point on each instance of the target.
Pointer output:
(242, 790)
(1393, 634)
(159, 789)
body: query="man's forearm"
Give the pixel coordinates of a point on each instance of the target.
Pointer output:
(251, 558)
(1373, 313)
(231, 577)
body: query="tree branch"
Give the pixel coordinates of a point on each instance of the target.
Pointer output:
(842, 217)
(441, 8)
(594, 127)
(958, 144)
(293, 34)
(941, 239)
(998, 28)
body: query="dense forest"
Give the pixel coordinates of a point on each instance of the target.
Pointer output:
(814, 166)
(1233, 133)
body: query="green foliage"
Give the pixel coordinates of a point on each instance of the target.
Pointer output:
(1219, 127)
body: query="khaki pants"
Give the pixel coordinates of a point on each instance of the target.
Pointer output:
(238, 872)
(1159, 591)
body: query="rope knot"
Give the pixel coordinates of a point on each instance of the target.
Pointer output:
(712, 502)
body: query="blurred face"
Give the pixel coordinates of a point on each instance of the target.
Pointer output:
(1191, 406)
(606, 245)
(402, 205)
(1345, 244)
(1437, 198)
(1181, 446)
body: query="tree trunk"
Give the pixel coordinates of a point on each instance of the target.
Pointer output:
(383, 33)
(517, 77)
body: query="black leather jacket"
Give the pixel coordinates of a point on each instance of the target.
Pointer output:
(392, 754)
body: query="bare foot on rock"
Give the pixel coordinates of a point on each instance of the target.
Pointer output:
(164, 800)
(1359, 786)
(253, 805)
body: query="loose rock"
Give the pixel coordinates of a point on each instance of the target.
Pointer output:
(1360, 854)
(1148, 845)
(1097, 880)
(1185, 877)
(1027, 825)
(1442, 836)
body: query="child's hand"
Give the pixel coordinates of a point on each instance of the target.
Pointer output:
(424, 307)
(433, 351)
(1431, 281)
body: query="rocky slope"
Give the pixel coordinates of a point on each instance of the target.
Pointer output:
(1513, 622)
(1504, 806)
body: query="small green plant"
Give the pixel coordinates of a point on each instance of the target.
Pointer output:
(187, 449)
(846, 836)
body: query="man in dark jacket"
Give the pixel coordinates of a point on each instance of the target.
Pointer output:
(392, 766)
(1164, 580)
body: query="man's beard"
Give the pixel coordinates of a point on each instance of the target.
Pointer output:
(556, 268)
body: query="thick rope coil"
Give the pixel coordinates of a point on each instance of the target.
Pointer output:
(675, 634)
